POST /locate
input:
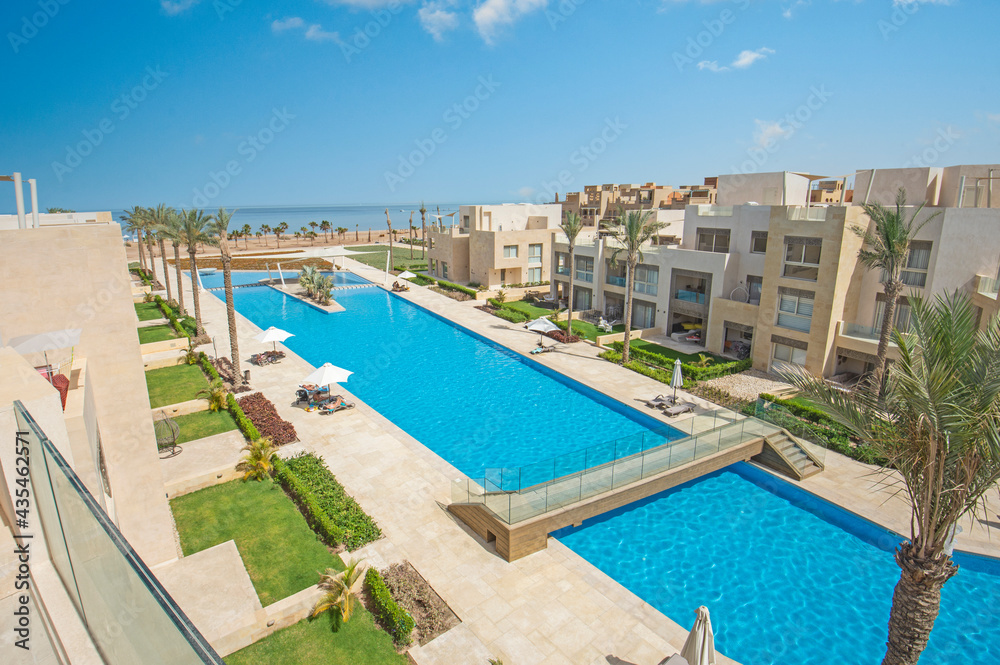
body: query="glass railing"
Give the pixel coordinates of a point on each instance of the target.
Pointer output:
(803, 214)
(584, 276)
(129, 615)
(858, 330)
(649, 288)
(690, 296)
(517, 494)
(562, 270)
(988, 286)
(615, 280)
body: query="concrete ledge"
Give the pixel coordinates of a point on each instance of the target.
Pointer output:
(165, 345)
(274, 617)
(202, 463)
(152, 322)
(182, 408)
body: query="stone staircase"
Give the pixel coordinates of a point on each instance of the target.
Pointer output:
(784, 453)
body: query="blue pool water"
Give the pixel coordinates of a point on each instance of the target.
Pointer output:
(473, 403)
(787, 577)
(240, 277)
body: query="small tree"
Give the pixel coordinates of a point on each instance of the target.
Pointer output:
(571, 226)
(259, 460)
(216, 395)
(340, 590)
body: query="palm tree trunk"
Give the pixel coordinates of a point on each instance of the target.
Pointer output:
(569, 296)
(180, 284)
(423, 236)
(227, 278)
(166, 272)
(199, 329)
(916, 602)
(892, 289)
(149, 248)
(142, 257)
(629, 283)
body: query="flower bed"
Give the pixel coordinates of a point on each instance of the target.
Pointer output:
(265, 418)
(396, 621)
(412, 592)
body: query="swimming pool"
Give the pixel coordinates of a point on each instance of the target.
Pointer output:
(474, 403)
(241, 277)
(788, 578)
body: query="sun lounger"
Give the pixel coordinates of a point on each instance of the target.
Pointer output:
(336, 404)
(541, 349)
(674, 411)
(660, 401)
(604, 326)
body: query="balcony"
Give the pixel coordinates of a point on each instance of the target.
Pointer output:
(615, 280)
(988, 286)
(696, 297)
(562, 270)
(803, 214)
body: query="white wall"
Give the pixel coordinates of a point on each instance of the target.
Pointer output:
(510, 216)
(763, 188)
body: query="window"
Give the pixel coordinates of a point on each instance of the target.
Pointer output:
(510, 251)
(900, 318)
(646, 278)
(802, 260)
(713, 240)
(535, 253)
(754, 286)
(758, 242)
(562, 263)
(444, 270)
(534, 275)
(917, 261)
(788, 354)
(795, 312)
(585, 269)
(465, 221)
(643, 314)
(582, 299)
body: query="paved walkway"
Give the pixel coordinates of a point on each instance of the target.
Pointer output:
(551, 607)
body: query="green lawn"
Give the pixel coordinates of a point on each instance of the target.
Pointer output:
(147, 311)
(670, 353)
(204, 423)
(580, 328)
(156, 334)
(358, 642)
(400, 256)
(528, 309)
(280, 551)
(170, 385)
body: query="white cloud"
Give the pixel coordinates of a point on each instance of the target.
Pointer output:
(316, 33)
(287, 24)
(747, 58)
(712, 66)
(492, 15)
(526, 192)
(437, 19)
(768, 132)
(178, 7)
(993, 117)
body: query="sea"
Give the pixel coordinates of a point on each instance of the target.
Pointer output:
(352, 217)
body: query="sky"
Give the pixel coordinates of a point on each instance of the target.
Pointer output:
(249, 102)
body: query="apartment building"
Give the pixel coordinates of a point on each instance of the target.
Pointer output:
(782, 282)
(495, 245)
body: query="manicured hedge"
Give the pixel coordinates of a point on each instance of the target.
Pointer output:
(307, 502)
(661, 375)
(396, 621)
(510, 315)
(143, 276)
(245, 424)
(356, 527)
(689, 371)
(171, 316)
(420, 280)
(449, 286)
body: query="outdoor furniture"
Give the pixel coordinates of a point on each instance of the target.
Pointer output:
(674, 411)
(336, 404)
(541, 349)
(604, 326)
(166, 431)
(660, 401)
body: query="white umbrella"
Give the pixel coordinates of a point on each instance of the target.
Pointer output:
(541, 326)
(327, 374)
(273, 335)
(406, 275)
(677, 380)
(45, 342)
(699, 648)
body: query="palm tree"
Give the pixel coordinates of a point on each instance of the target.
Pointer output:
(195, 229)
(411, 235)
(423, 230)
(887, 247)
(571, 226)
(313, 226)
(341, 232)
(148, 224)
(219, 227)
(265, 229)
(341, 590)
(247, 232)
(134, 223)
(357, 232)
(308, 277)
(160, 216)
(937, 423)
(259, 460)
(259, 234)
(324, 226)
(171, 229)
(631, 230)
(392, 259)
(281, 228)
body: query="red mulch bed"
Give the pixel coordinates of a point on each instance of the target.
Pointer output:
(562, 336)
(265, 418)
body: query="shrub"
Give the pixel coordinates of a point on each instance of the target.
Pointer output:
(356, 527)
(693, 372)
(420, 280)
(315, 516)
(397, 622)
(259, 460)
(208, 368)
(501, 296)
(510, 315)
(449, 286)
(215, 394)
(661, 375)
(188, 325)
(172, 317)
(245, 424)
(265, 418)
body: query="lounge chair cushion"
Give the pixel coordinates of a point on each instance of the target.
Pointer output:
(684, 407)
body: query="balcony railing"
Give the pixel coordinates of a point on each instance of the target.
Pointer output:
(615, 280)
(649, 288)
(691, 296)
(859, 331)
(988, 286)
(562, 270)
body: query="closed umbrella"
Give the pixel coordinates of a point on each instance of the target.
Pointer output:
(273, 335)
(327, 374)
(541, 326)
(699, 648)
(677, 380)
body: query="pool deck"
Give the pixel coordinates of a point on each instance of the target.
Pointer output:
(551, 607)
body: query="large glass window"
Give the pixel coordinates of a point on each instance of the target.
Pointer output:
(713, 240)
(754, 286)
(646, 278)
(758, 243)
(535, 253)
(562, 263)
(802, 261)
(585, 269)
(510, 251)
(789, 354)
(917, 261)
(795, 312)
(900, 318)
(534, 274)
(643, 314)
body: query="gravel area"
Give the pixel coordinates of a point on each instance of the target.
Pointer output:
(747, 385)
